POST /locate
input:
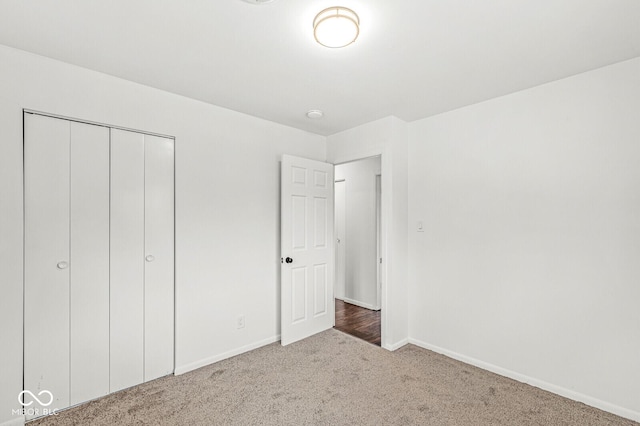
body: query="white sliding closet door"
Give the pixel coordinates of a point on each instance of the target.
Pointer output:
(46, 275)
(89, 285)
(159, 243)
(127, 259)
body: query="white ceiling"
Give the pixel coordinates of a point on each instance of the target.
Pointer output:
(413, 58)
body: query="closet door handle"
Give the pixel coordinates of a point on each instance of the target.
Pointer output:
(150, 258)
(62, 265)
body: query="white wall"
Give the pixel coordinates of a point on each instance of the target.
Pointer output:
(529, 262)
(361, 284)
(10, 256)
(397, 251)
(527, 266)
(227, 205)
(386, 137)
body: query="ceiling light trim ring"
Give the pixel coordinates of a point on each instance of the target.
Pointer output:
(325, 15)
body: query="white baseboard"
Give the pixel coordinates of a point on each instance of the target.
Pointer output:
(395, 346)
(567, 393)
(361, 304)
(201, 363)
(17, 421)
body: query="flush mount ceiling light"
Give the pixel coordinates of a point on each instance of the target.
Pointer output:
(336, 27)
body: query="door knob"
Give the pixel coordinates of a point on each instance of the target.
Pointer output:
(288, 260)
(150, 258)
(63, 265)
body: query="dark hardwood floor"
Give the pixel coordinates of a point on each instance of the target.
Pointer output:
(359, 322)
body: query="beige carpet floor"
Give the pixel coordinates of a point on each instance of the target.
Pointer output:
(334, 379)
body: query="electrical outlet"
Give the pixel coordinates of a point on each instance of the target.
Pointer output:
(241, 321)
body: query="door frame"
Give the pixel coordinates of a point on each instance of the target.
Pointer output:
(335, 230)
(378, 178)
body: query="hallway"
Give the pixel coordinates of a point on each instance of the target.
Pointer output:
(359, 322)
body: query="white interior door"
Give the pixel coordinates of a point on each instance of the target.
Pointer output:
(341, 242)
(46, 261)
(379, 241)
(307, 273)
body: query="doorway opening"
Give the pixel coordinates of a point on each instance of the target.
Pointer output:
(358, 249)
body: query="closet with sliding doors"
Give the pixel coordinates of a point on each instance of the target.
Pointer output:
(99, 260)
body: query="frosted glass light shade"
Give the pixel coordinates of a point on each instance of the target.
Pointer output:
(336, 27)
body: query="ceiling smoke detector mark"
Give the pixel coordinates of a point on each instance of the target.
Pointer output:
(258, 1)
(315, 113)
